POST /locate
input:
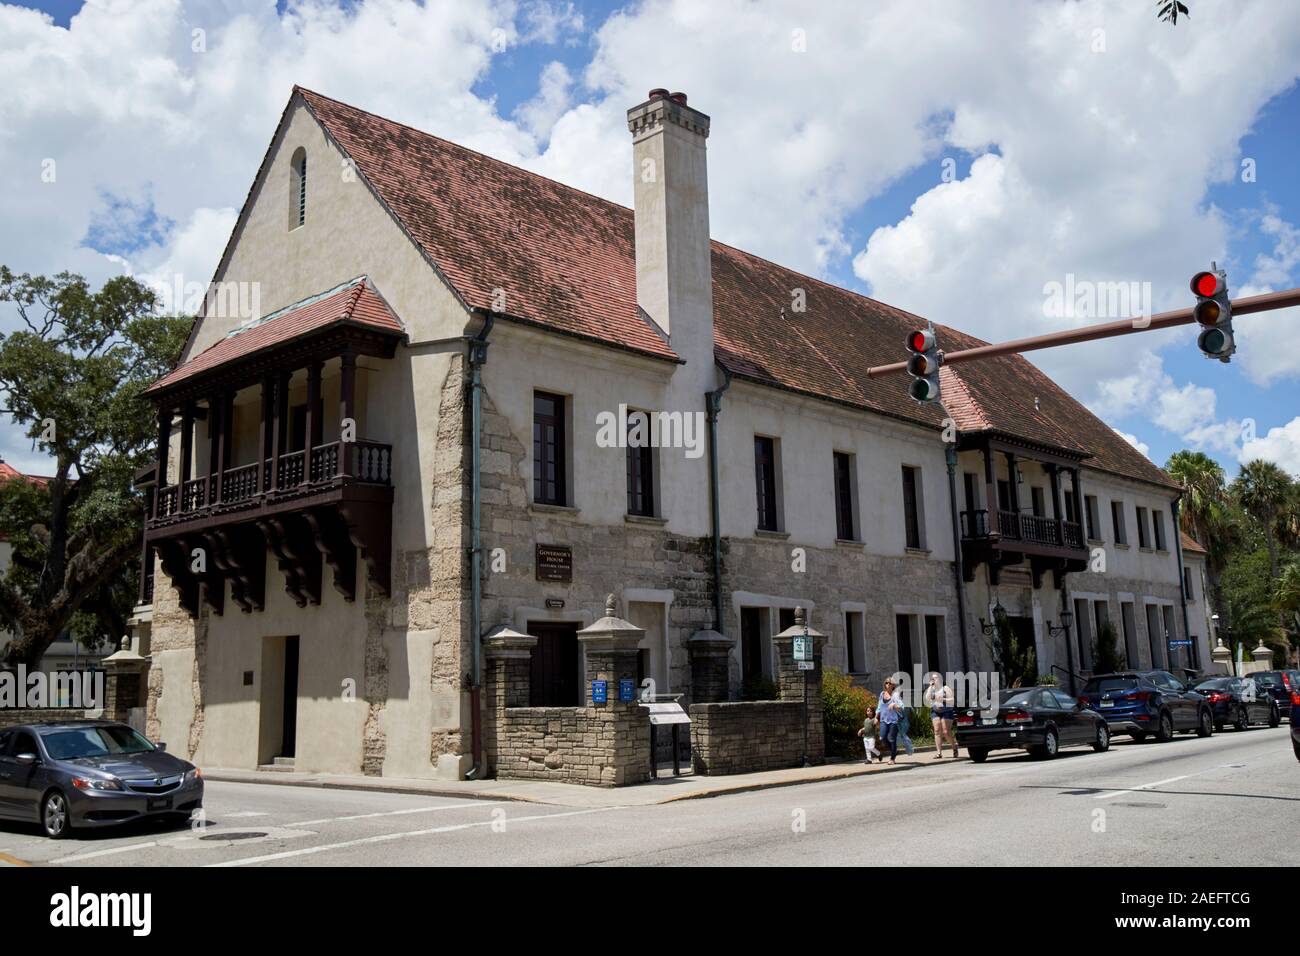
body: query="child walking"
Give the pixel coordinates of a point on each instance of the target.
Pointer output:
(868, 733)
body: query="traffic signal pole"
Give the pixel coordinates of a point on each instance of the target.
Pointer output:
(1164, 320)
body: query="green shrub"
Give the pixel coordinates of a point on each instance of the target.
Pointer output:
(844, 709)
(759, 687)
(1106, 658)
(1046, 680)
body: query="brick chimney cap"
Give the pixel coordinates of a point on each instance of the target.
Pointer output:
(678, 98)
(657, 93)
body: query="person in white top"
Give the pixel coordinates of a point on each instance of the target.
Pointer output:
(940, 699)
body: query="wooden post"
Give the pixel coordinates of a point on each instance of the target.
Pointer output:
(314, 423)
(264, 437)
(1054, 478)
(216, 412)
(164, 448)
(279, 428)
(991, 504)
(187, 446)
(1080, 506)
(347, 409)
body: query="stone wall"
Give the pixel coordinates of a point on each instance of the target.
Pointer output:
(12, 716)
(596, 746)
(747, 736)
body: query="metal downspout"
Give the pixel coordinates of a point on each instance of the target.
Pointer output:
(1182, 581)
(477, 358)
(959, 577)
(713, 406)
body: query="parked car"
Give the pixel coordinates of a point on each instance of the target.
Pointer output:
(1239, 701)
(1279, 685)
(1142, 703)
(91, 773)
(1295, 728)
(1041, 720)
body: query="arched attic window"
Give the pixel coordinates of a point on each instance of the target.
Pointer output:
(298, 188)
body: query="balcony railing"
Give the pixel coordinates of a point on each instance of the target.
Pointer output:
(1029, 529)
(371, 464)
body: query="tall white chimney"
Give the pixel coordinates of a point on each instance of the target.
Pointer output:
(674, 275)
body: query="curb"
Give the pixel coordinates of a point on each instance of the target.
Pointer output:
(288, 780)
(774, 784)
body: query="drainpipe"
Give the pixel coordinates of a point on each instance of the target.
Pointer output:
(713, 407)
(477, 358)
(959, 577)
(1182, 584)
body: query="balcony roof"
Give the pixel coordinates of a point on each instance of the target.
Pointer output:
(354, 304)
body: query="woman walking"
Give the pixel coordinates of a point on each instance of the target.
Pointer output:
(891, 709)
(942, 714)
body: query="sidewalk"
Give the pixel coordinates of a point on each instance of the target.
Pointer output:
(665, 789)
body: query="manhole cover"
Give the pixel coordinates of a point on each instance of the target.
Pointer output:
(244, 835)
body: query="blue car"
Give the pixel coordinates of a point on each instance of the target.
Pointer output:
(1148, 703)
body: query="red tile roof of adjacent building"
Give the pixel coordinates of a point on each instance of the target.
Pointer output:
(355, 301)
(1189, 544)
(566, 262)
(8, 473)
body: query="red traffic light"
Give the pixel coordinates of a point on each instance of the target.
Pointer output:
(1206, 284)
(920, 341)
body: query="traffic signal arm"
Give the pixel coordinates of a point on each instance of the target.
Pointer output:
(1164, 320)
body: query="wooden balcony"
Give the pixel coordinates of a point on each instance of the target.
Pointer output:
(1050, 544)
(328, 508)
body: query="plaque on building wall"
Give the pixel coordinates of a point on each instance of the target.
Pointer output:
(554, 562)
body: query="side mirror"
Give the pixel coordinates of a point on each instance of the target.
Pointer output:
(160, 746)
(26, 759)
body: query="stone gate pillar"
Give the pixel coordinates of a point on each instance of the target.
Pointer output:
(125, 683)
(710, 654)
(610, 647)
(791, 682)
(507, 681)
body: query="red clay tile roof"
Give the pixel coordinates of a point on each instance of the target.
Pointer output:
(1189, 544)
(355, 301)
(8, 473)
(566, 261)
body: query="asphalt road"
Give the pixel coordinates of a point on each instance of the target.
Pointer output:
(1230, 799)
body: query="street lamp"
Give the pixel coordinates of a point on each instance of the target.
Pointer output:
(1067, 621)
(991, 627)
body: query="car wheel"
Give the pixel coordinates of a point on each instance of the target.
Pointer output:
(55, 819)
(1166, 729)
(1102, 743)
(1243, 719)
(1206, 726)
(977, 754)
(1274, 717)
(1051, 744)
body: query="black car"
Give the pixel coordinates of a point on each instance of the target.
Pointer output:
(1238, 701)
(1041, 720)
(1142, 703)
(1279, 685)
(1295, 728)
(91, 773)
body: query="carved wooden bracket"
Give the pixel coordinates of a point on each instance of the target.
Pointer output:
(336, 547)
(292, 541)
(175, 559)
(240, 555)
(370, 528)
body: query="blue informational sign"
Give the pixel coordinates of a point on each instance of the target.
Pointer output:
(600, 691)
(626, 690)
(1180, 643)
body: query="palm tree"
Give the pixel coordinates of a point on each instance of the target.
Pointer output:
(1203, 479)
(1263, 490)
(1286, 598)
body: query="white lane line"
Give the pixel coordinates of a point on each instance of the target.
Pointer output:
(1158, 783)
(77, 857)
(389, 837)
(396, 813)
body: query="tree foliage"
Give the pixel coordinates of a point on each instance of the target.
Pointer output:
(71, 377)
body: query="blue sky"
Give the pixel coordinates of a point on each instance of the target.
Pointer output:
(859, 209)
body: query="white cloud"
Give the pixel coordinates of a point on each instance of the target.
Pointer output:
(1268, 343)
(1280, 445)
(1134, 441)
(539, 114)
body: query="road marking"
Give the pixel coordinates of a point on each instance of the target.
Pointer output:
(112, 851)
(396, 813)
(245, 813)
(389, 837)
(1158, 783)
(12, 860)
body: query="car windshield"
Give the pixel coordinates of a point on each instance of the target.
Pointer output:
(75, 743)
(1106, 685)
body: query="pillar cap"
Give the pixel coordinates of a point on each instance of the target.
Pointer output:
(504, 641)
(611, 628)
(710, 638)
(797, 629)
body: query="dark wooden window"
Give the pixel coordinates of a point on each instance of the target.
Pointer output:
(1143, 540)
(1117, 522)
(1090, 501)
(554, 678)
(911, 507)
(934, 642)
(1004, 494)
(302, 190)
(844, 525)
(640, 469)
(971, 481)
(765, 482)
(1071, 512)
(1038, 501)
(1188, 591)
(903, 629)
(549, 449)
(852, 636)
(751, 643)
(1158, 527)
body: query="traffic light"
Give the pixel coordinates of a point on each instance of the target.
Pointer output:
(1214, 313)
(923, 365)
